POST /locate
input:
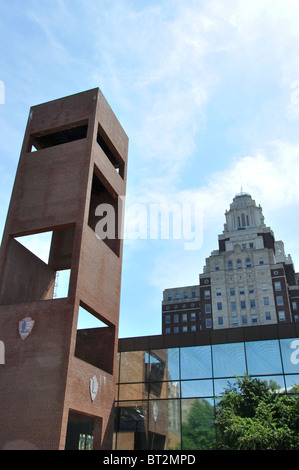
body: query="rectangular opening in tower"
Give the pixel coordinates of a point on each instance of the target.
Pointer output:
(104, 213)
(110, 151)
(69, 133)
(38, 267)
(95, 340)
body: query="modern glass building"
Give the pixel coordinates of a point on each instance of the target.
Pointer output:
(168, 386)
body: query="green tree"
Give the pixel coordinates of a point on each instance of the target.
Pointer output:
(252, 416)
(198, 429)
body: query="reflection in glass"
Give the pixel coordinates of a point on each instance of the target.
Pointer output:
(164, 390)
(220, 385)
(164, 425)
(131, 426)
(132, 366)
(137, 391)
(291, 381)
(263, 357)
(196, 362)
(290, 355)
(228, 360)
(197, 388)
(274, 382)
(169, 364)
(198, 430)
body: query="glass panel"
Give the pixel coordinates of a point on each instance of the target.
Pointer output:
(221, 385)
(164, 390)
(274, 382)
(138, 391)
(164, 425)
(164, 364)
(228, 360)
(197, 388)
(263, 357)
(198, 431)
(132, 366)
(291, 380)
(196, 362)
(131, 425)
(290, 355)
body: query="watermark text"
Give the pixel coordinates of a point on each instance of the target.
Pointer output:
(153, 221)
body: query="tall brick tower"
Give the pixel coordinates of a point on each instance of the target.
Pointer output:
(57, 384)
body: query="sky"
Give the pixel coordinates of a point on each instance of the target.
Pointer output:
(208, 94)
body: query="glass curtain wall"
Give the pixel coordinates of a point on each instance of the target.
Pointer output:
(166, 398)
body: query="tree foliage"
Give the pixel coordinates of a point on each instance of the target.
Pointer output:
(253, 416)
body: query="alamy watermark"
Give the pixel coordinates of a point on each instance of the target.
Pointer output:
(152, 221)
(2, 92)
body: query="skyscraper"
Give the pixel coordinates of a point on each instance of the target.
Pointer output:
(248, 280)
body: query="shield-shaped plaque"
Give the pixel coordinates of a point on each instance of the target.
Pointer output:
(93, 387)
(25, 327)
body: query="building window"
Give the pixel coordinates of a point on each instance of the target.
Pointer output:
(185, 295)
(277, 286)
(239, 264)
(296, 318)
(243, 220)
(248, 263)
(207, 294)
(167, 318)
(252, 304)
(176, 329)
(235, 321)
(261, 260)
(208, 323)
(281, 315)
(193, 328)
(219, 305)
(279, 300)
(218, 291)
(193, 294)
(220, 320)
(230, 265)
(250, 245)
(176, 318)
(264, 286)
(233, 306)
(253, 319)
(216, 267)
(232, 291)
(251, 290)
(193, 316)
(177, 296)
(185, 329)
(244, 320)
(167, 331)
(243, 304)
(208, 308)
(169, 297)
(268, 315)
(294, 305)
(266, 301)
(241, 291)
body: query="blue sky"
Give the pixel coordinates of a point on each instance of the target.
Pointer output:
(208, 94)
